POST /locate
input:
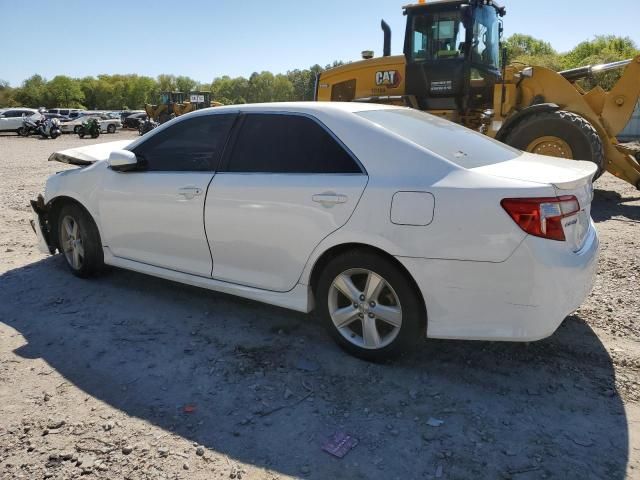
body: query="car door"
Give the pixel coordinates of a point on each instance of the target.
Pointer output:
(11, 120)
(285, 185)
(155, 215)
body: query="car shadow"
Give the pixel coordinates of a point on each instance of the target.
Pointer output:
(269, 387)
(608, 204)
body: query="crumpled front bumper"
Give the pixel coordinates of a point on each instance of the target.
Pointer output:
(40, 225)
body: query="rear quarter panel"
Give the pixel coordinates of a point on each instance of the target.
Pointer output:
(468, 224)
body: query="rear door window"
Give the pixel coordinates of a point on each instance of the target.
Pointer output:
(288, 143)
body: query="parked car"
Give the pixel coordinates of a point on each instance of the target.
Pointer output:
(66, 112)
(11, 118)
(392, 223)
(107, 124)
(125, 113)
(55, 115)
(134, 120)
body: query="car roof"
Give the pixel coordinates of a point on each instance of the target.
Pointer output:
(310, 108)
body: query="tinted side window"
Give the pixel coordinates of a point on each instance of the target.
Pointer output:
(271, 143)
(193, 145)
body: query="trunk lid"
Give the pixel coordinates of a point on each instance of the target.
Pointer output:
(84, 156)
(567, 177)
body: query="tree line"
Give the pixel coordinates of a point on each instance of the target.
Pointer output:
(116, 92)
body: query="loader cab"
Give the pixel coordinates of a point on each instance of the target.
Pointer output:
(169, 98)
(452, 50)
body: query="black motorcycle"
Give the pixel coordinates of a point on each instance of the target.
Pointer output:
(147, 126)
(91, 127)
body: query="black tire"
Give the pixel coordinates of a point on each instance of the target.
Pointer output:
(413, 323)
(22, 131)
(576, 131)
(95, 135)
(81, 134)
(77, 129)
(111, 128)
(93, 258)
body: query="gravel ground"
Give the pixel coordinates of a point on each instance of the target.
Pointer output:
(127, 376)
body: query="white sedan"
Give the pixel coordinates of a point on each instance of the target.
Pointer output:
(393, 224)
(107, 124)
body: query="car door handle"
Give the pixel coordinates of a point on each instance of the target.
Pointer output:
(190, 192)
(329, 199)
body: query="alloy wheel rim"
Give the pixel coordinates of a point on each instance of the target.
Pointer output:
(365, 309)
(72, 245)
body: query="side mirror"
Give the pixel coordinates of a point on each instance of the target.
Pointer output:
(123, 161)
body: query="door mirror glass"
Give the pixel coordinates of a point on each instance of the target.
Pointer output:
(123, 161)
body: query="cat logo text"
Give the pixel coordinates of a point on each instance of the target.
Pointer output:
(390, 78)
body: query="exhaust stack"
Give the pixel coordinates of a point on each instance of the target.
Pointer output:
(387, 39)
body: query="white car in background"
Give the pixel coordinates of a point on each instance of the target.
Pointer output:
(107, 124)
(393, 224)
(11, 119)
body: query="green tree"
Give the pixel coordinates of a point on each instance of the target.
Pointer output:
(282, 89)
(6, 95)
(166, 83)
(32, 92)
(519, 45)
(185, 84)
(63, 91)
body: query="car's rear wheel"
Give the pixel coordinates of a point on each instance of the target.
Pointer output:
(79, 241)
(370, 306)
(111, 128)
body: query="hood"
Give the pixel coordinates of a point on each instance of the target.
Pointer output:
(84, 156)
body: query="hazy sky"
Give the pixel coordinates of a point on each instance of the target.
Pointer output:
(205, 39)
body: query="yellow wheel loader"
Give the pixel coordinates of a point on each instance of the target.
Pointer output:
(453, 66)
(174, 104)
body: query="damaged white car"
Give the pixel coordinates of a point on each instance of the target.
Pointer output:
(393, 224)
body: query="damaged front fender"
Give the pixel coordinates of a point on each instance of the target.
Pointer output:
(42, 226)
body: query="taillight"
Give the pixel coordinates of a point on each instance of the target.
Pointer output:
(542, 217)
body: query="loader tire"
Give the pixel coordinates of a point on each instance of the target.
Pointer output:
(566, 133)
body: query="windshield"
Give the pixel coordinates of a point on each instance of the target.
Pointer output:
(485, 48)
(453, 142)
(438, 35)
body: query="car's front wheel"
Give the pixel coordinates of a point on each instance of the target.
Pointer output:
(111, 128)
(79, 241)
(370, 306)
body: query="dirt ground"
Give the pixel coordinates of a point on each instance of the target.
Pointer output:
(131, 377)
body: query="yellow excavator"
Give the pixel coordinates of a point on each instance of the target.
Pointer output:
(454, 66)
(174, 104)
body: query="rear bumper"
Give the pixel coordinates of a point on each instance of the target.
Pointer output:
(525, 298)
